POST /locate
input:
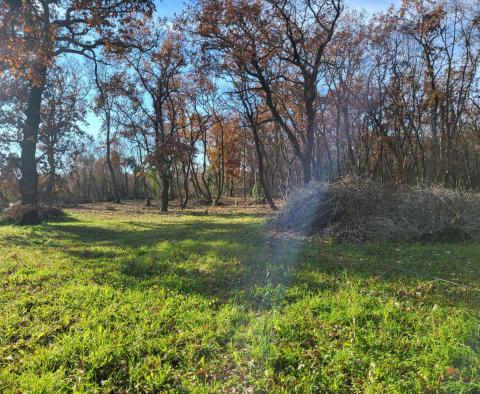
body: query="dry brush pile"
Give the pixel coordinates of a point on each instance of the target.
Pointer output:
(359, 210)
(30, 214)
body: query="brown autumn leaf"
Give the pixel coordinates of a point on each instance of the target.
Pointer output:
(452, 372)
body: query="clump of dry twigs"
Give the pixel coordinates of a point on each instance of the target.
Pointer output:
(359, 210)
(21, 214)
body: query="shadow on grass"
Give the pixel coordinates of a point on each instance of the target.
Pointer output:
(64, 218)
(237, 261)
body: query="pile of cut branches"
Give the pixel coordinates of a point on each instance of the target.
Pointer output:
(359, 210)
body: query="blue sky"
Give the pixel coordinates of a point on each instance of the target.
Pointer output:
(372, 6)
(167, 8)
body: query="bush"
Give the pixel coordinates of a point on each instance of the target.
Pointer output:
(360, 211)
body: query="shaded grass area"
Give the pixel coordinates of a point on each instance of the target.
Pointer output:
(125, 302)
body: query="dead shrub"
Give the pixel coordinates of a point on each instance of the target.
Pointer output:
(359, 210)
(31, 215)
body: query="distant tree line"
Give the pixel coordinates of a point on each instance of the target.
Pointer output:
(240, 98)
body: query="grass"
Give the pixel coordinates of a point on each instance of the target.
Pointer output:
(123, 301)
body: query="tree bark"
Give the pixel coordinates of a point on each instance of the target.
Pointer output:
(28, 164)
(186, 189)
(208, 193)
(261, 170)
(165, 193)
(109, 159)
(52, 175)
(221, 170)
(307, 169)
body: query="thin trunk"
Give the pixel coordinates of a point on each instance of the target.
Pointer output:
(126, 183)
(205, 184)
(186, 175)
(244, 169)
(221, 170)
(261, 170)
(109, 160)
(177, 176)
(49, 189)
(198, 190)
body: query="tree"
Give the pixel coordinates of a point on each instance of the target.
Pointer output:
(63, 111)
(35, 33)
(199, 93)
(280, 44)
(157, 62)
(224, 152)
(252, 114)
(104, 106)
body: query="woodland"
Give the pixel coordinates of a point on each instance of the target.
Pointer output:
(245, 196)
(235, 98)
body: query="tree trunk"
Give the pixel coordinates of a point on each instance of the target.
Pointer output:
(244, 170)
(165, 193)
(307, 169)
(186, 189)
(196, 186)
(49, 189)
(28, 163)
(221, 170)
(261, 170)
(109, 161)
(179, 187)
(208, 193)
(306, 158)
(126, 183)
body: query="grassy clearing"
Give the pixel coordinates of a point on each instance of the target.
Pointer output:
(114, 301)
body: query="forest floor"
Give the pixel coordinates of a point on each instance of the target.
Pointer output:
(123, 299)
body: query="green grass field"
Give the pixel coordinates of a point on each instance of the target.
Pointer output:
(124, 301)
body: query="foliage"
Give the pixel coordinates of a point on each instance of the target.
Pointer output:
(63, 112)
(150, 175)
(240, 91)
(257, 192)
(33, 35)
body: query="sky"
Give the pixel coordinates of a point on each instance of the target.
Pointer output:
(371, 6)
(168, 9)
